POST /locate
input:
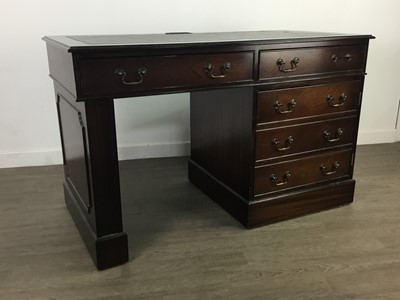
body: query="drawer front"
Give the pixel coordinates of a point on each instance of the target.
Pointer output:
(306, 171)
(309, 61)
(123, 75)
(287, 140)
(303, 102)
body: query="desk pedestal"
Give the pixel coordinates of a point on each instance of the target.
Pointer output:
(92, 189)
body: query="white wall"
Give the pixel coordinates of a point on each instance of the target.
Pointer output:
(158, 126)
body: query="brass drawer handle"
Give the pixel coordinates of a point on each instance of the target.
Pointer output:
(293, 63)
(285, 179)
(336, 137)
(324, 169)
(141, 72)
(209, 68)
(288, 144)
(291, 105)
(336, 58)
(342, 99)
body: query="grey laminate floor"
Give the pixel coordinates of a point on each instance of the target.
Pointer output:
(183, 246)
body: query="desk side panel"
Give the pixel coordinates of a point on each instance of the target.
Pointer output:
(222, 137)
(61, 67)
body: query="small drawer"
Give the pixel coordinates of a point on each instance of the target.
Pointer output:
(125, 75)
(275, 142)
(310, 61)
(301, 172)
(303, 102)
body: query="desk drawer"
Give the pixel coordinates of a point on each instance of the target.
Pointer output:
(293, 103)
(309, 61)
(300, 172)
(287, 140)
(124, 75)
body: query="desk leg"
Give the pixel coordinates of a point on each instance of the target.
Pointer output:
(92, 190)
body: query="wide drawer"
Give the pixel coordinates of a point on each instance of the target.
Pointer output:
(303, 102)
(295, 173)
(309, 61)
(124, 75)
(287, 140)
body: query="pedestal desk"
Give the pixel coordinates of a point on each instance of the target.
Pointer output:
(274, 118)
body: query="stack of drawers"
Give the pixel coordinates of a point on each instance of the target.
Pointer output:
(301, 142)
(303, 137)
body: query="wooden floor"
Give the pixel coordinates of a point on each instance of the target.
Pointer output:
(183, 246)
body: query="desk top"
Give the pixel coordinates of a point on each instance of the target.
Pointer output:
(78, 43)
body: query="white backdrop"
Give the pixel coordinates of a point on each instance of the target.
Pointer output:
(159, 126)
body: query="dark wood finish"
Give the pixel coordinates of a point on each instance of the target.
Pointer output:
(222, 134)
(319, 132)
(163, 72)
(302, 203)
(75, 152)
(277, 208)
(313, 61)
(91, 184)
(235, 80)
(231, 201)
(106, 251)
(304, 137)
(304, 171)
(61, 67)
(131, 42)
(310, 101)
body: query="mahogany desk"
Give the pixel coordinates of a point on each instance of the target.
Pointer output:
(274, 120)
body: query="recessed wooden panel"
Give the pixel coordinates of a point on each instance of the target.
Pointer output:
(74, 150)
